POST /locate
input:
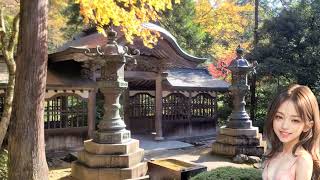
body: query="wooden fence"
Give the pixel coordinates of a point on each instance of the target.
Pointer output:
(178, 110)
(65, 111)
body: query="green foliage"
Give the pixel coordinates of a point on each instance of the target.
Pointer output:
(75, 20)
(3, 164)
(224, 108)
(227, 173)
(190, 35)
(289, 45)
(288, 52)
(64, 22)
(267, 88)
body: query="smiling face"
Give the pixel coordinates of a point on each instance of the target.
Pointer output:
(287, 123)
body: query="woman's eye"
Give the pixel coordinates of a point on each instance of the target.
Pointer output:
(278, 117)
(296, 121)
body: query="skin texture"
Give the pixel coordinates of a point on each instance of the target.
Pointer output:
(288, 127)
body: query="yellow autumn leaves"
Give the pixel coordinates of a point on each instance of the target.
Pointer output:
(228, 22)
(128, 14)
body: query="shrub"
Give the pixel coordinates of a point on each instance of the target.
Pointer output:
(230, 173)
(3, 164)
(224, 108)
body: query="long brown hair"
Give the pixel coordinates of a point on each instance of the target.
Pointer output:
(307, 106)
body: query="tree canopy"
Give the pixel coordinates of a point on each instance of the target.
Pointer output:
(228, 21)
(129, 15)
(190, 35)
(289, 45)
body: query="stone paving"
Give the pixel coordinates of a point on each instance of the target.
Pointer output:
(163, 149)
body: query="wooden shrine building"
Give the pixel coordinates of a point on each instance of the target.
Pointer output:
(167, 94)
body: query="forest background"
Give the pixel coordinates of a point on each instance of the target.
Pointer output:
(283, 39)
(287, 46)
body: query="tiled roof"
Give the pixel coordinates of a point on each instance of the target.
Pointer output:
(194, 79)
(91, 39)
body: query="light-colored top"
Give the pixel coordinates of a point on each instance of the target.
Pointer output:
(288, 174)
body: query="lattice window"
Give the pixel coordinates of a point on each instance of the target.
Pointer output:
(142, 105)
(1, 104)
(202, 105)
(65, 111)
(175, 107)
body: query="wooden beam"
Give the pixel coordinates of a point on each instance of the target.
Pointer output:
(140, 75)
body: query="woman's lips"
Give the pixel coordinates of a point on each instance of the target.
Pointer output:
(284, 134)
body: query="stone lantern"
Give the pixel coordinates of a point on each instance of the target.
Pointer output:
(239, 68)
(239, 136)
(111, 154)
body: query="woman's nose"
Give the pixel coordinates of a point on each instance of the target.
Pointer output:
(285, 124)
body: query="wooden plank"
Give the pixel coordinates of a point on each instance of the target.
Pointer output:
(140, 75)
(66, 131)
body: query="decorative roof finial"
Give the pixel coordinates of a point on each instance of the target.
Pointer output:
(111, 35)
(240, 51)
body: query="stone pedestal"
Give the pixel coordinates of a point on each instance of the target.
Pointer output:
(110, 161)
(231, 142)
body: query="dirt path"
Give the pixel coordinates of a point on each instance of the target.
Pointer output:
(200, 154)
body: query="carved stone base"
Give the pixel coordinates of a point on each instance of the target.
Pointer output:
(124, 148)
(82, 172)
(112, 161)
(109, 161)
(119, 137)
(231, 142)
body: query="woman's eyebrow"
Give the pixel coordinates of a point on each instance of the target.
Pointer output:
(278, 112)
(297, 116)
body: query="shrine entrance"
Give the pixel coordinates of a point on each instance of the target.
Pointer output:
(183, 113)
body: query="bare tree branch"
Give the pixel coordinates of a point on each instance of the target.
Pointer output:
(15, 31)
(2, 30)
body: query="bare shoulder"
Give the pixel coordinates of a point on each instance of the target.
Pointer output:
(304, 158)
(304, 165)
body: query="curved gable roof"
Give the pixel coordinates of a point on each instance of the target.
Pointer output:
(90, 39)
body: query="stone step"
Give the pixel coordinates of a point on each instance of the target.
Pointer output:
(238, 140)
(253, 132)
(124, 148)
(82, 172)
(111, 161)
(232, 150)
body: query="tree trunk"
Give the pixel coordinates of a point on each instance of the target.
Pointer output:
(253, 100)
(27, 159)
(8, 54)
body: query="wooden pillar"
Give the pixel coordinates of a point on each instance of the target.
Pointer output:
(91, 112)
(92, 104)
(63, 114)
(216, 108)
(158, 120)
(189, 113)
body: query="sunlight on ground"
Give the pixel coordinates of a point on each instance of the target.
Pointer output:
(60, 174)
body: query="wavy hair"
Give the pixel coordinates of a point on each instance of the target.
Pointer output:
(307, 107)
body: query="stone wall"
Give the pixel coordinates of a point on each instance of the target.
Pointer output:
(58, 143)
